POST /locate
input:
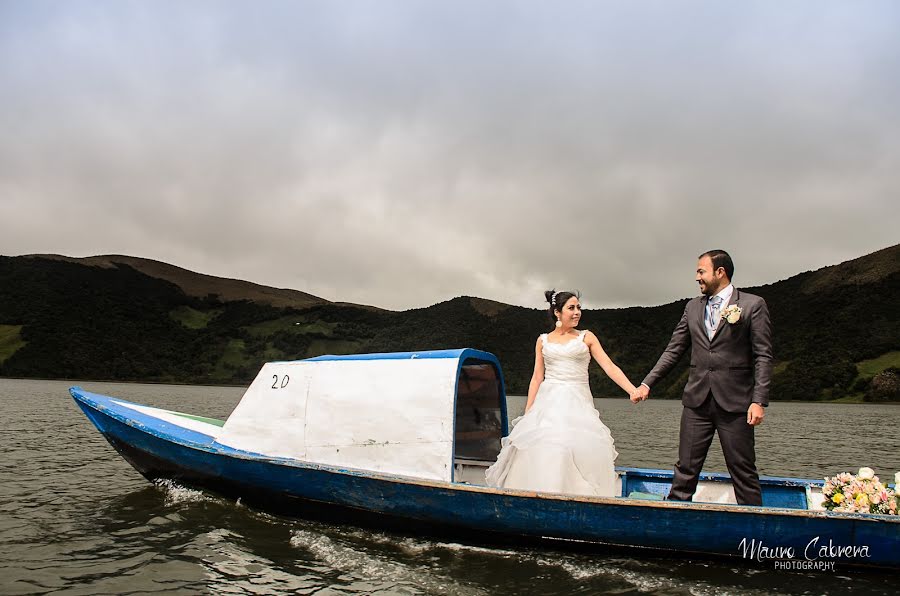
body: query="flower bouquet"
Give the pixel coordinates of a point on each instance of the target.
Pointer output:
(862, 493)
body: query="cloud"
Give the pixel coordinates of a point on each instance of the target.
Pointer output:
(402, 153)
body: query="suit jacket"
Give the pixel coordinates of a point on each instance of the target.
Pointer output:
(735, 365)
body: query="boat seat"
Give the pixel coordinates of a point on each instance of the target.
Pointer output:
(636, 494)
(470, 471)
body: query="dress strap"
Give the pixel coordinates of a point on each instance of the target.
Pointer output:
(582, 334)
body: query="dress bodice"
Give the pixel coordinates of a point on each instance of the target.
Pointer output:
(568, 362)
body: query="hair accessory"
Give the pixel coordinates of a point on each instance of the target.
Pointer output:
(553, 299)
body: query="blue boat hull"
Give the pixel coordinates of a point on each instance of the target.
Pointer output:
(301, 489)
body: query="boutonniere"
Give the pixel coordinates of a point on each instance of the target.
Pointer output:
(732, 314)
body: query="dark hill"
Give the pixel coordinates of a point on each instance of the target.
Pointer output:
(198, 284)
(146, 321)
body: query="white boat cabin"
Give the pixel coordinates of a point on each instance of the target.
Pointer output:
(438, 415)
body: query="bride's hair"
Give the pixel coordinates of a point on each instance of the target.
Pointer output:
(557, 300)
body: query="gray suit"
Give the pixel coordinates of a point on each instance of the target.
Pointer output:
(728, 373)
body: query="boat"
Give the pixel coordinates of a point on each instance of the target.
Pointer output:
(403, 439)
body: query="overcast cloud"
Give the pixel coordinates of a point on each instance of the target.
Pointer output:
(403, 153)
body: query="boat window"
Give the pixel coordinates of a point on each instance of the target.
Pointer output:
(478, 412)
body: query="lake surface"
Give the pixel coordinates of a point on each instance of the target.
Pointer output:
(75, 518)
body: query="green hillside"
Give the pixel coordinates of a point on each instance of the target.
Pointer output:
(60, 318)
(10, 340)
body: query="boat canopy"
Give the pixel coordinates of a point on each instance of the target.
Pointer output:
(407, 413)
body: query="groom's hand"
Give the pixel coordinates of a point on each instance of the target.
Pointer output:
(643, 392)
(755, 414)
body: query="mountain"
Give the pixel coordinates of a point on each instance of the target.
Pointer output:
(198, 285)
(124, 318)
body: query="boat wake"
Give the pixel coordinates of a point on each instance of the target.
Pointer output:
(229, 568)
(645, 576)
(176, 494)
(371, 552)
(376, 569)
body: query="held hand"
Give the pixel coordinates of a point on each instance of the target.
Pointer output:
(643, 391)
(755, 414)
(636, 396)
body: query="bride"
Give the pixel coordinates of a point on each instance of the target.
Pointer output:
(560, 445)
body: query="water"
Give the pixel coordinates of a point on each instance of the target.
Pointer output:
(75, 518)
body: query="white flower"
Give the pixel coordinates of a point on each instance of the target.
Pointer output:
(732, 314)
(866, 473)
(897, 480)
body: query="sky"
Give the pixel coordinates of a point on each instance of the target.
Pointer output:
(402, 153)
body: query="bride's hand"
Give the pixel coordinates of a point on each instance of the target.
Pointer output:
(635, 396)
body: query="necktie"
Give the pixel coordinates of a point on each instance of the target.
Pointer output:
(714, 304)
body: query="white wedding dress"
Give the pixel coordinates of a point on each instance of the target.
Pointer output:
(560, 445)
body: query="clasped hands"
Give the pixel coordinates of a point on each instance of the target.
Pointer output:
(640, 393)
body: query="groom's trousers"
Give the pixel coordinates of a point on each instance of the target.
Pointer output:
(698, 425)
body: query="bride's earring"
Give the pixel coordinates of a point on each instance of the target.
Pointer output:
(558, 323)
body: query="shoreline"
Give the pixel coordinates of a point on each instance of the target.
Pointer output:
(843, 401)
(174, 383)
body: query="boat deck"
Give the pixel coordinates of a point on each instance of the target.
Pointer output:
(640, 483)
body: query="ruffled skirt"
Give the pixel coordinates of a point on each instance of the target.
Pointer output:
(559, 446)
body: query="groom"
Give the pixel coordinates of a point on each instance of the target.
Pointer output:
(730, 337)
